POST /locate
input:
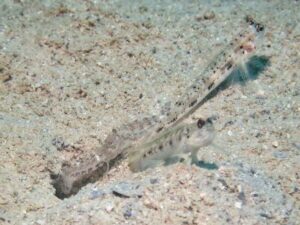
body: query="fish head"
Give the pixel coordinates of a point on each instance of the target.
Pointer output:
(249, 39)
(203, 133)
(247, 44)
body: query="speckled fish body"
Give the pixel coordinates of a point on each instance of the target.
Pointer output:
(73, 176)
(171, 145)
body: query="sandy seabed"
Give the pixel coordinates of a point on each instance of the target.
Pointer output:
(72, 70)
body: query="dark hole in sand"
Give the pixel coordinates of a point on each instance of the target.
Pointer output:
(92, 177)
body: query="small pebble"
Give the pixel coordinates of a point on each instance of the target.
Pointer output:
(275, 144)
(128, 213)
(59, 143)
(297, 145)
(265, 215)
(96, 193)
(209, 15)
(280, 155)
(151, 204)
(238, 205)
(260, 93)
(40, 222)
(126, 189)
(153, 180)
(109, 208)
(222, 184)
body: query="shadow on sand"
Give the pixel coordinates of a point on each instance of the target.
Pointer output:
(253, 68)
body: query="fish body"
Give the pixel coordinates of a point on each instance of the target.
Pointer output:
(167, 126)
(171, 145)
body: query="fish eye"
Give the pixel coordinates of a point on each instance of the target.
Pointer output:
(200, 123)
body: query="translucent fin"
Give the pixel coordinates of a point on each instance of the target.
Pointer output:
(153, 163)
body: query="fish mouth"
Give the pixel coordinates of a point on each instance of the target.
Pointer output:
(248, 47)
